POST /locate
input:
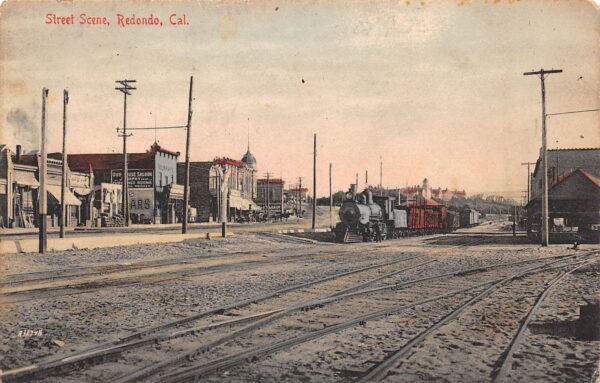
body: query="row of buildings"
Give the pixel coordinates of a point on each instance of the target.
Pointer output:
(223, 189)
(573, 193)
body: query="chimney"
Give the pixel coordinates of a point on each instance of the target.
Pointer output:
(18, 154)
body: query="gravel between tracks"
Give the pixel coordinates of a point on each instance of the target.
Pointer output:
(84, 320)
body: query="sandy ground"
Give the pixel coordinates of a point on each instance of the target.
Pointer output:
(73, 312)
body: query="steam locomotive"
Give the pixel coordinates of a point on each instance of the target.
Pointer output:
(365, 217)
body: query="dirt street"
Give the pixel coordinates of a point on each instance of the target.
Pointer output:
(274, 307)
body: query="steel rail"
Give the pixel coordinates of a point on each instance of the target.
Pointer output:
(502, 372)
(88, 286)
(149, 370)
(229, 361)
(382, 368)
(137, 339)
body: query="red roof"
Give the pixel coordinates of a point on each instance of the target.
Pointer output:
(424, 202)
(26, 159)
(595, 180)
(229, 161)
(110, 161)
(275, 181)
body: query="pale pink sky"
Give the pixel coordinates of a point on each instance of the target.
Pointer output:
(435, 88)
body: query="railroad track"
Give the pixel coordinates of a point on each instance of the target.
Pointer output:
(96, 278)
(143, 337)
(246, 353)
(23, 287)
(502, 373)
(341, 297)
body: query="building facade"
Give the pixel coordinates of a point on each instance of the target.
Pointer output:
(224, 189)
(270, 195)
(573, 193)
(20, 179)
(154, 194)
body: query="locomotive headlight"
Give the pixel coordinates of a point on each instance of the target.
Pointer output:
(348, 195)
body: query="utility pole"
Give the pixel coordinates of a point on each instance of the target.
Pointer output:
(330, 200)
(125, 88)
(314, 212)
(366, 178)
(542, 74)
(380, 176)
(63, 179)
(300, 196)
(356, 181)
(186, 180)
(528, 177)
(43, 198)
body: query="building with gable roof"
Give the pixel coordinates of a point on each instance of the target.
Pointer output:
(573, 193)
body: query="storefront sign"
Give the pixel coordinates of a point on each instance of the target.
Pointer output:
(141, 201)
(138, 179)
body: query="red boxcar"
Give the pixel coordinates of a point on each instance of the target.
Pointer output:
(426, 215)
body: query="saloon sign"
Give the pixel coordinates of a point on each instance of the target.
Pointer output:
(138, 179)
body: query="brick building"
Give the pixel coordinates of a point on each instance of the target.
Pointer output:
(270, 195)
(154, 194)
(223, 189)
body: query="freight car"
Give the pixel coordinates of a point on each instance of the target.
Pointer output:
(453, 220)
(469, 218)
(364, 217)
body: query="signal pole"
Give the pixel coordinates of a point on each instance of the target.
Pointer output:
(186, 181)
(528, 177)
(314, 210)
(542, 74)
(381, 175)
(63, 180)
(125, 88)
(43, 197)
(330, 200)
(300, 195)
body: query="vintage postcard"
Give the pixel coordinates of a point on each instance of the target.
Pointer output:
(300, 191)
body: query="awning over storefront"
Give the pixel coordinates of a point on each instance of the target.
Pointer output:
(242, 203)
(176, 191)
(82, 191)
(252, 205)
(26, 179)
(70, 198)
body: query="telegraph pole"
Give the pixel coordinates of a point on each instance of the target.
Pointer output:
(186, 180)
(63, 180)
(330, 200)
(300, 196)
(542, 74)
(357, 181)
(381, 175)
(314, 210)
(528, 177)
(43, 197)
(125, 88)
(366, 178)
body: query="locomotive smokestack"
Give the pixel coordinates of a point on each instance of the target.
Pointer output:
(354, 188)
(369, 194)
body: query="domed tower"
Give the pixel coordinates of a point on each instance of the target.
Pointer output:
(250, 161)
